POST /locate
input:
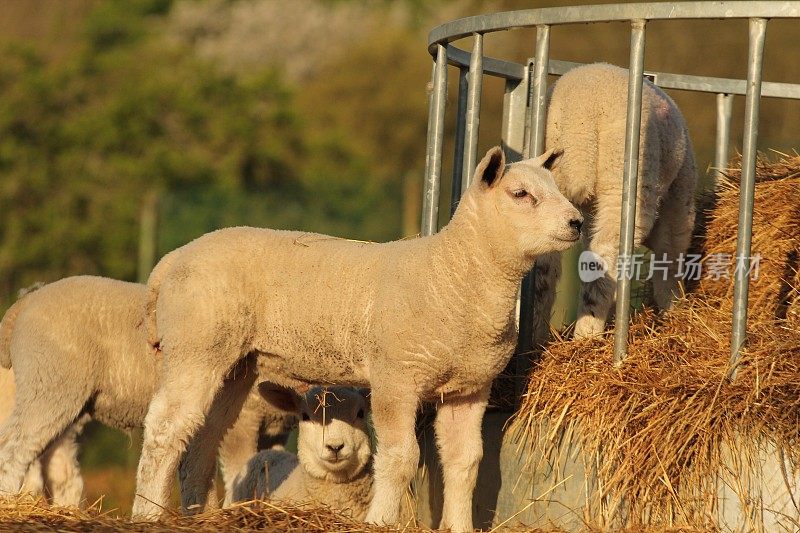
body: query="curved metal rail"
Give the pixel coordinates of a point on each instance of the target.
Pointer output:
(556, 16)
(524, 120)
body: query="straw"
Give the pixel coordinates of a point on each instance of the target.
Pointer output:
(661, 422)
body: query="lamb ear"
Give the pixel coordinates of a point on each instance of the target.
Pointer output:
(281, 398)
(549, 159)
(491, 168)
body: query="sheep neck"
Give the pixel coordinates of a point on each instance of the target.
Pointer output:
(473, 287)
(486, 266)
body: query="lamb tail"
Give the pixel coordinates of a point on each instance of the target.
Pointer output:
(151, 300)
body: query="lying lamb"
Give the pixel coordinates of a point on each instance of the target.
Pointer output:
(79, 352)
(586, 117)
(429, 319)
(333, 462)
(257, 419)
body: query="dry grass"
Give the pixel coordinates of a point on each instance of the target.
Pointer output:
(26, 514)
(31, 515)
(776, 237)
(656, 427)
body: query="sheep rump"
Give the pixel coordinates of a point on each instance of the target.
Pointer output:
(586, 117)
(87, 332)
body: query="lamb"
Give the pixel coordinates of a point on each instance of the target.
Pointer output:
(55, 473)
(429, 319)
(333, 462)
(586, 117)
(79, 352)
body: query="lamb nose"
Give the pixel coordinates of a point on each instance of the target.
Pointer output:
(576, 223)
(335, 448)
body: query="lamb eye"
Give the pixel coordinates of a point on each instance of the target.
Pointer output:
(522, 193)
(306, 418)
(360, 413)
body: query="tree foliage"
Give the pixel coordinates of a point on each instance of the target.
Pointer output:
(82, 141)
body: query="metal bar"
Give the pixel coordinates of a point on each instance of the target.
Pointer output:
(526, 146)
(622, 12)
(629, 179)
(515, 102)
(680, 82)
(475, 84)
(741, 284)
(491, 66)
(705, 84)
(515, 118)
(708, 84)
(539, 90)
(458, 155)
(724, 110)
(433, 158)
(538, 96)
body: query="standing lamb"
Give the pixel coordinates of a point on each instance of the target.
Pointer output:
(333, 462)
(429, 319)
(56, 473)
(586, 117)
(79, 352)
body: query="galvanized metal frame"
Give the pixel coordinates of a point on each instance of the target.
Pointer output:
(741, 283)
(630, 177)
(461, 132)
(529, 18)
(433, 157)
(474, 86)
(524, 109)
(724, 111)
(682, 82)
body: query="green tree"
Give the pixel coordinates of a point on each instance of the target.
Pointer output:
(82, 141)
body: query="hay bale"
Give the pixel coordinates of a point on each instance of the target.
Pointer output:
(776, 237)
(667, 434)
(656, 425)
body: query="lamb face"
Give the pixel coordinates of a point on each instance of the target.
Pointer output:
(332, 442)
(521, 205)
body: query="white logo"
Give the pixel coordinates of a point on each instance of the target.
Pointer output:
(591, 266)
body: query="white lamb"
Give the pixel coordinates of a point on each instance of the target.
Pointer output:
(429, 319)
(79, 352)
(586, 118)
(55, 473)
(333, 462)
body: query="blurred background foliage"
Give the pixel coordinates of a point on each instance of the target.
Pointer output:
(305, 114)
